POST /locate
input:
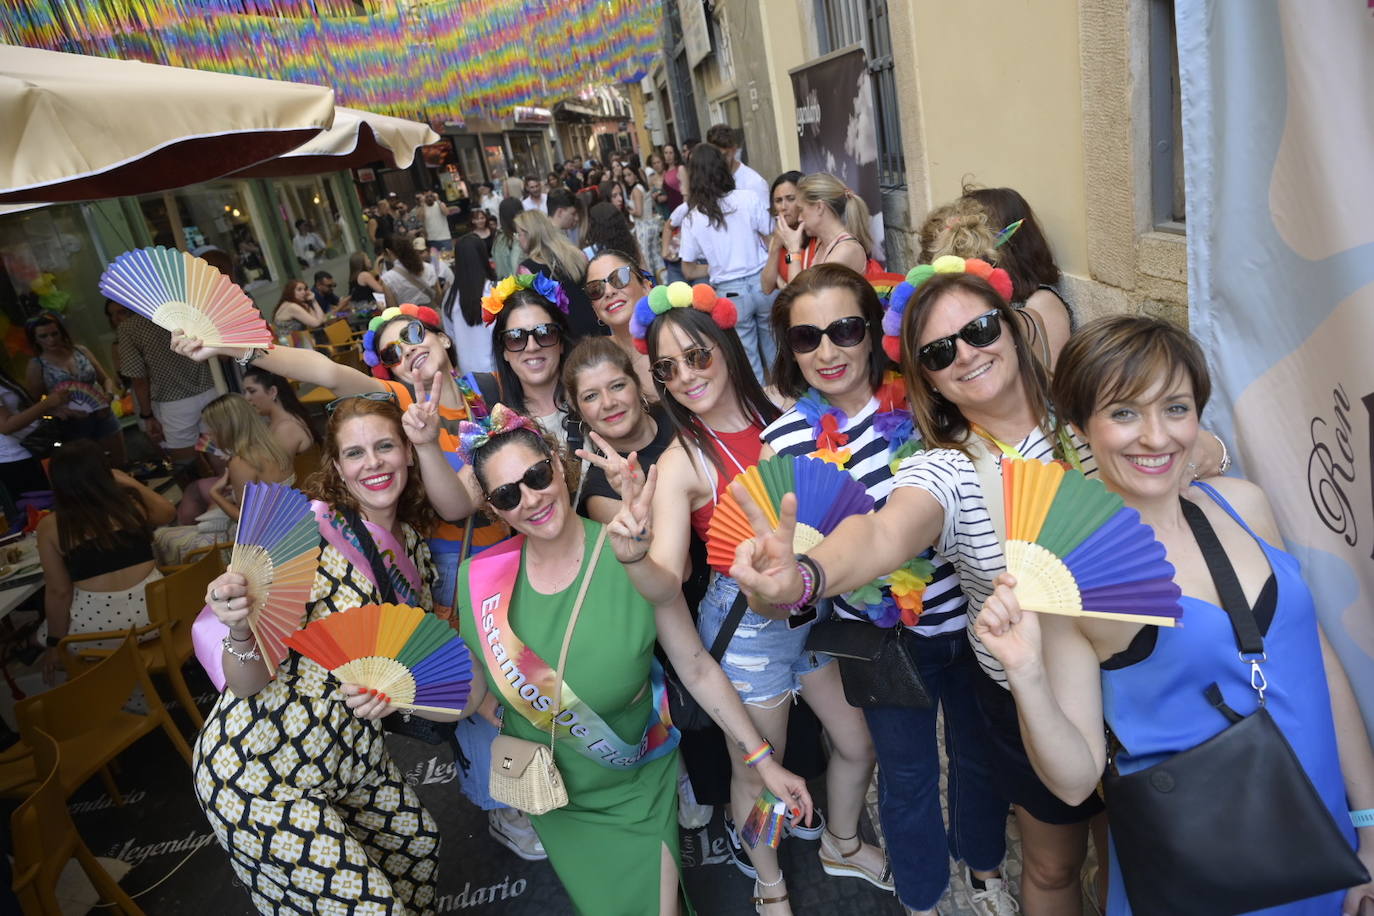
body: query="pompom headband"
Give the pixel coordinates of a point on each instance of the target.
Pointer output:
(679, 295)
(997, 278)
(474, 436)
(421, 313)
(550, 289)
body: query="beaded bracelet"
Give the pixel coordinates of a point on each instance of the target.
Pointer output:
(808, 589)
(252, 655)
(754, 759)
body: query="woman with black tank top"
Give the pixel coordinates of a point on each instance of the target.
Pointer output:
(96, 548)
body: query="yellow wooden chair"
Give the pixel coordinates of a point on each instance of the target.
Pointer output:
(45, 839)
(342, 346)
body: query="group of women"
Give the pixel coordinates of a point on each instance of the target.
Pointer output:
(667, 411)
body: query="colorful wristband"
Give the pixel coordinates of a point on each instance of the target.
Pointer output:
(753, 760)
(808, 590)
(1362, 818)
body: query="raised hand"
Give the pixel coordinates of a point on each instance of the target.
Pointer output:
(765, 565)
(228, 598)
(365, 702)
(631, 532)
(421, 419)
(792, 239)
(1010, 633)
(194, 348)
(611, 462)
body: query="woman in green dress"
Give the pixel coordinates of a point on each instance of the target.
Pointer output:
(615, 844)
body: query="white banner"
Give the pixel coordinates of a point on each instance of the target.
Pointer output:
(1278, 105)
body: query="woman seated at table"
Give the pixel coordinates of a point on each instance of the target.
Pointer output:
(298, 311)
(615, 845)
(276, 401)
(1134, 389)
(96, 548)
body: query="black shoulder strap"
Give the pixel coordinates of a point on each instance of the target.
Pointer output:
(1248, 638)
(728, 627)
(385, 588)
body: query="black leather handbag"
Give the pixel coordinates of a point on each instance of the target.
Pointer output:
(1233, 824)
(875, 665)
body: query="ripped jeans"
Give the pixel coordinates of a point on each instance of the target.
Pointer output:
(765, 658)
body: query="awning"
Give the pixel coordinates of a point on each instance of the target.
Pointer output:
(357, 139)
(83, 128)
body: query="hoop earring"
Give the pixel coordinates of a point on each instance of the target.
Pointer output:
(644, 403)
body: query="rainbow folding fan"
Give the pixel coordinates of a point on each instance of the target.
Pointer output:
(82, 397)
(174, 289)
(1075, 548)
(826, 495)
(277, 550)
(414, 658)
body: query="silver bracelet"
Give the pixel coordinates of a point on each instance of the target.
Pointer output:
(248, 357)
(252, 655)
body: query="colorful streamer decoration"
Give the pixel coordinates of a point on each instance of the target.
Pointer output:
(439, 59)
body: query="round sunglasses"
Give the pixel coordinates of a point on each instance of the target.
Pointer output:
(843, 332)
(537, 477)
(412, 334)
(618, 279)
(982, 331)
(545, 335)
(697, 358)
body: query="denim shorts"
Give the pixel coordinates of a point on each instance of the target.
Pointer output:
(765, 659)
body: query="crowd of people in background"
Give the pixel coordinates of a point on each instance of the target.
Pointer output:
(616, 437)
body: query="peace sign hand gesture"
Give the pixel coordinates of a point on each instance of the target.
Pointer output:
(616, 467)
(765, 566)
(421, 419)
(631, 531)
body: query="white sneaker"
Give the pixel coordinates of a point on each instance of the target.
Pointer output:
(513, 830)
(691, 815)
(802, 832)
(994, 900)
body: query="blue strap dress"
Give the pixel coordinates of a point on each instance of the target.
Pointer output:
(1156, 706)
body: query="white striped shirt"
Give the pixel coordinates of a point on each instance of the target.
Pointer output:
(967, 536)
(943, 605)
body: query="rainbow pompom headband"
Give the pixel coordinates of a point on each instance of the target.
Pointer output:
(421, 313)
(997, 278)
(679, 295)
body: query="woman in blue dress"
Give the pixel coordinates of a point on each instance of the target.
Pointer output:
(1134, 388)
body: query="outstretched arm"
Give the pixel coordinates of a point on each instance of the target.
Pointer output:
(293, 362)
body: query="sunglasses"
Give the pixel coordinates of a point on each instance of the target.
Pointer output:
(366, 395)
(537, 477)
(843, 332)
(545, 335)
(698, 358)
(618, 278)
(412, 333)
(982, 331)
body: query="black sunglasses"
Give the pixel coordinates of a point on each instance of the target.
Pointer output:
(412, 333)
(982, 331)
(537, 476)
(698, 358)
(545, 335)
(366, 395)
(618, 278)
(843, 332)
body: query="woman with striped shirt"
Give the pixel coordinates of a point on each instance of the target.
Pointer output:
(851, 407)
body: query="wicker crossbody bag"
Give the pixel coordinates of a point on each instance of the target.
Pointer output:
(524, 774)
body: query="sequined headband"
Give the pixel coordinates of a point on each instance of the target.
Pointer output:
(472, 437)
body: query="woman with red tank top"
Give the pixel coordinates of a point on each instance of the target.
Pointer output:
(719, 411)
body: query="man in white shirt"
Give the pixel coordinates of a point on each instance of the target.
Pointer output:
(434, 215)
(534, 193)
(307, 243)
(724, 138)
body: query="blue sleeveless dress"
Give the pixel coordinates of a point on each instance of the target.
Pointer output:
(1156, 706)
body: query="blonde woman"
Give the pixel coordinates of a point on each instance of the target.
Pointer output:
(548, 251)
(837, 219)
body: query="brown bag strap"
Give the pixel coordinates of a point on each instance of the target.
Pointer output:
(567, 635)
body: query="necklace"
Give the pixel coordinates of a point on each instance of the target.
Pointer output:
(892, 421)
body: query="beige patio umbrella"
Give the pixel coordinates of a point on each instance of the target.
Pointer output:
(358, 138)
(82, 128)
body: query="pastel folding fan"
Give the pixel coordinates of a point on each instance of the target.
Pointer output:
(826, 495)
(82, 397)
(1075, 548)
(174, 289)
(277, 550)
(415, 658)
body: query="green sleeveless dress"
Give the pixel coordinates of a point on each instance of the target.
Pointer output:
(605, 843)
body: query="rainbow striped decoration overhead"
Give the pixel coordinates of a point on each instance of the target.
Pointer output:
(436, 59)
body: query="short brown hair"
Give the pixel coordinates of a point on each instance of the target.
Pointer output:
(787, 373)
(1120, 358)
(325, 484)
(941, 423)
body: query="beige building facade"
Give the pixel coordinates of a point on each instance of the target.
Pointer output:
(1071, 102)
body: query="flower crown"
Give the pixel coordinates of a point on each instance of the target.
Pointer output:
(473, 436)
(421, 313)
(679, 295)
(550, 289)
(997, 278)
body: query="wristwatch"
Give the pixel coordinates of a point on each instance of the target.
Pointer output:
(145, 416)
(53, 641)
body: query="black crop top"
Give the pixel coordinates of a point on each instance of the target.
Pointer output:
(88, 560)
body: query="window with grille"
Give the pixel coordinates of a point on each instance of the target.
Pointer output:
(842, 23)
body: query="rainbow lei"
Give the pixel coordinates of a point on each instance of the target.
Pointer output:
(895, 597)
(550, 289)
(893, 421)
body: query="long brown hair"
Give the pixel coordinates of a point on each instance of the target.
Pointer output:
(325, 484)
(90, 504)
(1026, 255)
(941, 423)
